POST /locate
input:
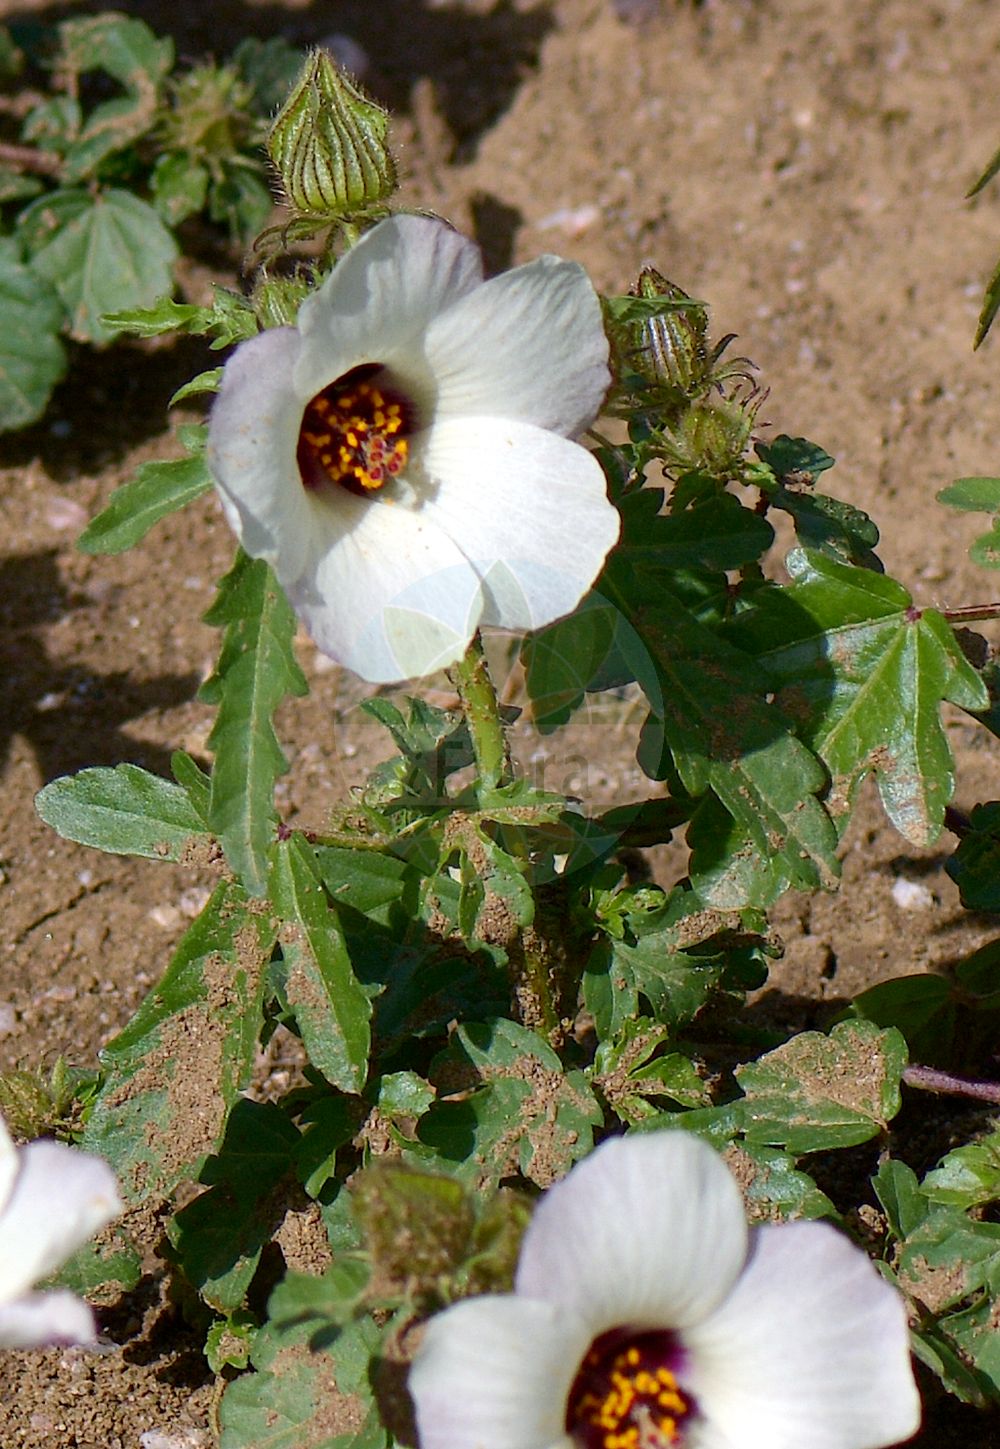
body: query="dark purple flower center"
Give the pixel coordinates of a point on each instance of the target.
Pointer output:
(625, 1394)
(355, 431)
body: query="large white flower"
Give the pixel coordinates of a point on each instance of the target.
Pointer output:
(644, 1315)
(403, 457)
(52, 1199)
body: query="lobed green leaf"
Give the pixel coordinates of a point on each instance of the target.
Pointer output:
(256, 670)
(101, 251)
(157, 490)
(332, 1009)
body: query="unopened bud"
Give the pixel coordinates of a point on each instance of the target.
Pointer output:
(672, 345)
(328, 145)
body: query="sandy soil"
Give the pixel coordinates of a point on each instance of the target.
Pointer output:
(801, 165)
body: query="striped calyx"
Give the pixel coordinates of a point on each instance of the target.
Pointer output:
(328, 145)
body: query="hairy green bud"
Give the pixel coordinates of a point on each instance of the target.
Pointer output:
(328, 145)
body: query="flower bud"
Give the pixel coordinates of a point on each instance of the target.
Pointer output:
(328, 145)
(673, 347)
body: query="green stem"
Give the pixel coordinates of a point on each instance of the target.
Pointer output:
(471, 678)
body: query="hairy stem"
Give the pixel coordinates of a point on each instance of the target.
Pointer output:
(929, 1079)
(471, 678)
(971, 613)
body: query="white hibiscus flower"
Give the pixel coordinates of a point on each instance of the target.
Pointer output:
(403, 457)
(645, 1315)
(52, 1199)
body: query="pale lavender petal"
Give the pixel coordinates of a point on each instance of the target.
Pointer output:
(810, 1348)
(527, 508)
(377, 304)
(8, 1164)
(495, 1373)
(546, 358)
(383, 590)
(40, 1319)
(648, 1231)
(253, 438)
(61, 1197)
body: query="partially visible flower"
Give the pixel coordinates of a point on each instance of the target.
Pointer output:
(52, 1199)
(403, 457)
(644, 1315)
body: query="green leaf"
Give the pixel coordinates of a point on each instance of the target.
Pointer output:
(179, 186)
(526, 1115)
(972, 495)
(931, 1346)
(864, 674)
(774, 1190)
(369, 882)
(32, 357)
(901, 1196)
(948, 1256)
(125, 811)
(256, 670)
(301, 1398)
(128, 51)
(220, 1235)
(158, 489)
(818, 1092)
(629, 1071)
(921, 1007)
(588, 650)
(785, 455)
(194, 781)
(207, 381)
(969, 1176)
(985, 550)
(992, 167)
(331, 1008)
(990, 307)
(716, 533)
(270, 68)
(230, 318)
(975, 866)
(15, 187)
(723, 736)
(976, 1335)
(101, 252)
(188, 1052)
(830, 526)
(240, 200)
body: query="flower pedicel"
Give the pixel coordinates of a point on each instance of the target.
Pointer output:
(403, 457)
(645, 1315)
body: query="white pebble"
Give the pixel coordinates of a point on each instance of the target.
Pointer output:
(910, 895)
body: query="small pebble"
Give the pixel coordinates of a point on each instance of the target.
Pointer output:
(910, 895)
(572, 221)
(65, 513)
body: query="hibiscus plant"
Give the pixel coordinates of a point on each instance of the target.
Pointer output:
(482, 977)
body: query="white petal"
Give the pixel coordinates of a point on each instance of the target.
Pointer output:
(648, 1231)
(39, 1319)
(529, 344)
(8, 1164)
(61, 1197)
(529, 510)
(253, 437)
(809, 1351)
(495, 1373)
(384, 591)
(379, 300)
